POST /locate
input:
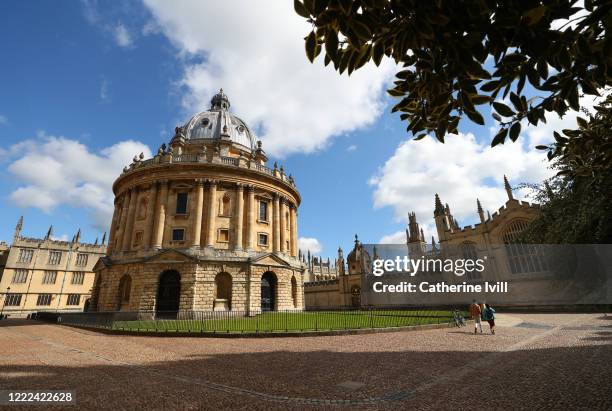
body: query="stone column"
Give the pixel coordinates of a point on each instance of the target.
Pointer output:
(294, 235)
(148, 231)
(112, 235)
(131, 215)
(212, 206)
(283, 226)
(199, 209)
(122, 220)
(239, 212)
(276, 224)
(160, 217)
(250, 218)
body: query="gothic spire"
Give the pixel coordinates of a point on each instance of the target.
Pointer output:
(18, 228)
(439, 209)
(508, 188)
(480, 211)
(104, 238)
(49, 233)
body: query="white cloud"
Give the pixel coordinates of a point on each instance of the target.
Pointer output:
(56, 171)
(257, 55)
(543, 132)
(104, 89)
(151, 27)
(309, 244)
(460, 171)
(3, 119)
(398, 237)
(122, 36)
(352, 147)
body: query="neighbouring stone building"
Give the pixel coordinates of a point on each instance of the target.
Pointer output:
(203, 225)
(43, 274)
(492, 236)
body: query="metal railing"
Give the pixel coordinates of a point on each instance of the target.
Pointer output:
(258, 321)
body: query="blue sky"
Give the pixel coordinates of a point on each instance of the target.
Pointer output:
(91, 84)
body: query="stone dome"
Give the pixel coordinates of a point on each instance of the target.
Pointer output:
(219, 124)
(359, 260)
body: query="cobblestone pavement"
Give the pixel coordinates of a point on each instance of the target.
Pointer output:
(535, 361)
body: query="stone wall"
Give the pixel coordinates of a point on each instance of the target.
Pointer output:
(198, 286)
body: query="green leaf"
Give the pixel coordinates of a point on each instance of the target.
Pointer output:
(361, 30)
(533, 16)
(331, 43)
(543, 69)
(420, 136)
(479, 99)
(573, 98)
(476, 117)
(490, 86)
(378, 52)
(515, 130)
(541, 147)
(500, 137)
(516, 101)
(300, 9)
(311, 46)
(503, 109)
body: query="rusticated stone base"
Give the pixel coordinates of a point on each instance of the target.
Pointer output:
(199, 283)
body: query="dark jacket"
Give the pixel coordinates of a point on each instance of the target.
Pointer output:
(488, 314)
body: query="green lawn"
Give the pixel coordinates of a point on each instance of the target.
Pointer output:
(292, 321)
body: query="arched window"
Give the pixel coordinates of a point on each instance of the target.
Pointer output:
(468, 252)
(125, 289)
(522, 258)
(294, 291)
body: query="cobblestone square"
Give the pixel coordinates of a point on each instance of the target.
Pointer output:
(535, 361)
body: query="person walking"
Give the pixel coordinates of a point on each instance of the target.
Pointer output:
(475, 313)
(489, 316)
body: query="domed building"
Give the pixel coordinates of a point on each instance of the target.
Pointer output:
(203, 225)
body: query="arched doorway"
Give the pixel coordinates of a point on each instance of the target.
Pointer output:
(356, 296)
(268, 291)
(294, 291)
(169, 293)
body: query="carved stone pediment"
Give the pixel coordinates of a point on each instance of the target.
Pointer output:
(171, 256)
(270, 259)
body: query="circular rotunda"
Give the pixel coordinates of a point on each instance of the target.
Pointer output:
(204, 225)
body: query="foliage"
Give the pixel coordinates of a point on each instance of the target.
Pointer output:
(586, 151)
(576, 205)
(574, 211)
(444, 48)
